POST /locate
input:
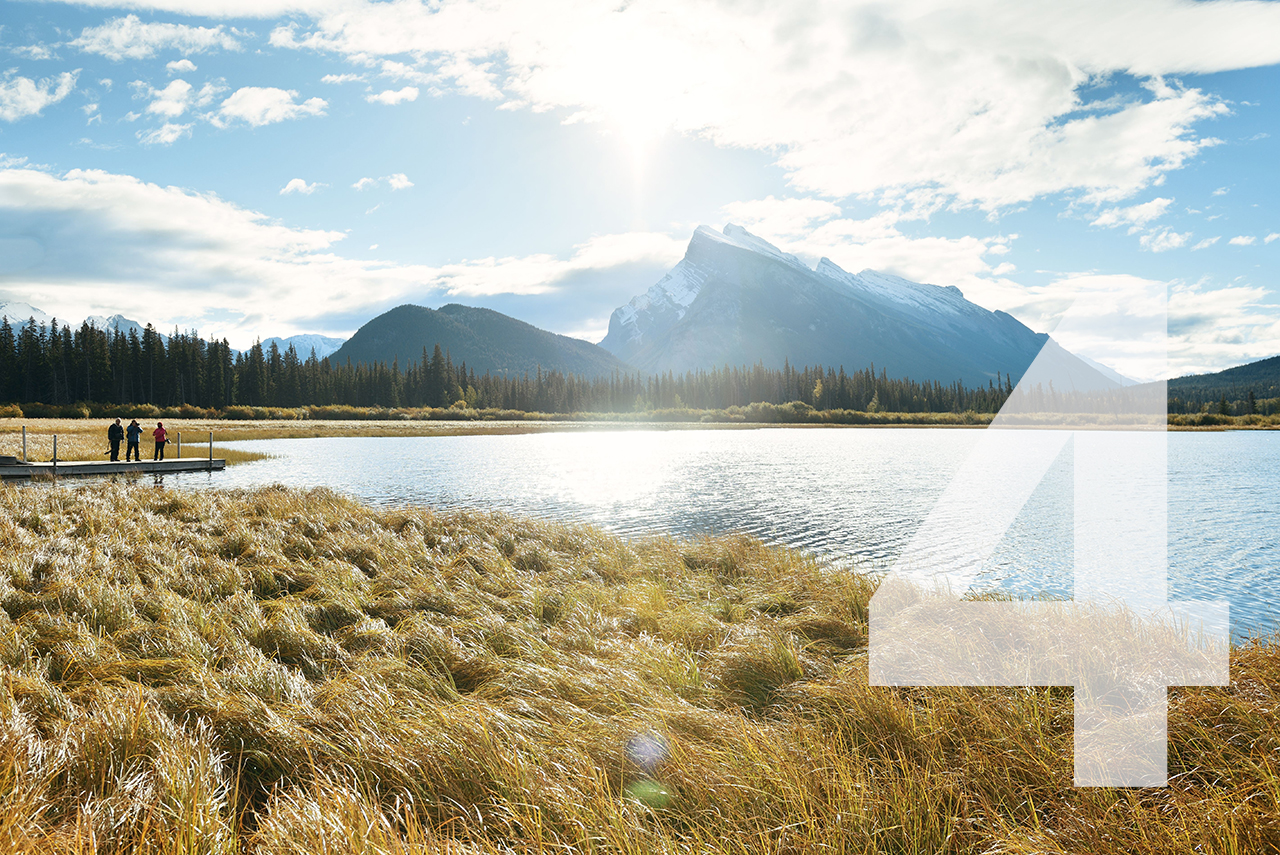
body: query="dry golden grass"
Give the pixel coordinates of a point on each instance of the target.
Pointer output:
(291, 672)
(83, 439)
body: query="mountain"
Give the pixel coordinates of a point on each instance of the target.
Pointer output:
(19, 313)
(1108, 372)
(1261, 377)
(323, 345)
(487, 341)
(736, 299)
(122, 324)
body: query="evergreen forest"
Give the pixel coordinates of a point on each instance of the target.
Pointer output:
(56, 365)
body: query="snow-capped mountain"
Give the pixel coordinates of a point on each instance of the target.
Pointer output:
(736, 299)
(19, 313)
(323, 345)
(121, 323)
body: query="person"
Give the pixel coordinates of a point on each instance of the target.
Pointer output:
(115, 435)
(134, 433)
(162, 437)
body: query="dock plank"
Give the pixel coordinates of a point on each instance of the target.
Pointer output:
(75, 468)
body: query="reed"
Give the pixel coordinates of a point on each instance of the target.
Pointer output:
(280, 671)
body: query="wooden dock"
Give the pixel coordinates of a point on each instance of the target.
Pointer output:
(78, 468)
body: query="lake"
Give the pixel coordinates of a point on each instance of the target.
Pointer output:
(850, 495)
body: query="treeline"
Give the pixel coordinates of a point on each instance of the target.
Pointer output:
(1224, 402)
(55, 366)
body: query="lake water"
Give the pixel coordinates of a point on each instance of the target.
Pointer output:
(851, 495)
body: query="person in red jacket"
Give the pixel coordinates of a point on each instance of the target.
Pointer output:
(162, 437)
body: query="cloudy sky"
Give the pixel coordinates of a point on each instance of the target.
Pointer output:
(251, 168)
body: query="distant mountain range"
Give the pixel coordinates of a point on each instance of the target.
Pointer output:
(736, 299)
(19, 314)
(487, 341)
(305, 344)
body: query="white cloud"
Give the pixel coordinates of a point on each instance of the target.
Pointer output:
(1137, 215)
(1206, 243)
(173, 100)
(1273, 236)
(781, 219)
(259, 106)
(1159, 241)
(130, 38)
(984, 102)
(1211, 328)
(106, 83)
(392, 96)
(195, 260)
(401, 71)
(166, 134)
(1242, 240)
(341, 78)
(36, 52)
(397, 181)
(22, 96)
(297, 185)
(1221, 191)
(542, 273)
(180, 66)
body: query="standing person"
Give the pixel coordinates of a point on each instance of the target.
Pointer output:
(134, 433)
(115, 434)
(162, 437)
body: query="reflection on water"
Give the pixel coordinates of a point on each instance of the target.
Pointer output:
(842, 494)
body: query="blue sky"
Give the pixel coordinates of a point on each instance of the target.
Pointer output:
(266, 168)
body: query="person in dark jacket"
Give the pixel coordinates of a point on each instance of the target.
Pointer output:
(115, 435)
(134, 433)
(162, 438)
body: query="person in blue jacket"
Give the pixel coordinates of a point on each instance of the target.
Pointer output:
(134, 434)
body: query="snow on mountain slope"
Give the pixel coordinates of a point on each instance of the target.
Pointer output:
(19, 313)
(649, 314)
(736, 299)
(120, 323)
(304, 343)
(948, 300)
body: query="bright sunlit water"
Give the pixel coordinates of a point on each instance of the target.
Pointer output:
(845, 494)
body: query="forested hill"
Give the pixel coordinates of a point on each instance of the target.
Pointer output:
(488, 342)
(1260, 379)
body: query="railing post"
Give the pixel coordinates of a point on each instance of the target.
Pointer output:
(24, 443)
(55, 455)
(179, 445)
(210, 451)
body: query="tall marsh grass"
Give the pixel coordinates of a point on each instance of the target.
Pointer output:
(291, 672)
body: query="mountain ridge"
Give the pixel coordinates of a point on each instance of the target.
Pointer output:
(736, 299)
(486, 340)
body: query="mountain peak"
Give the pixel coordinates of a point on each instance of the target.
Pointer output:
(737, 236)
(486, 340)
(737, 299)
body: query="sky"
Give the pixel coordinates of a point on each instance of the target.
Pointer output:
(274, 167)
